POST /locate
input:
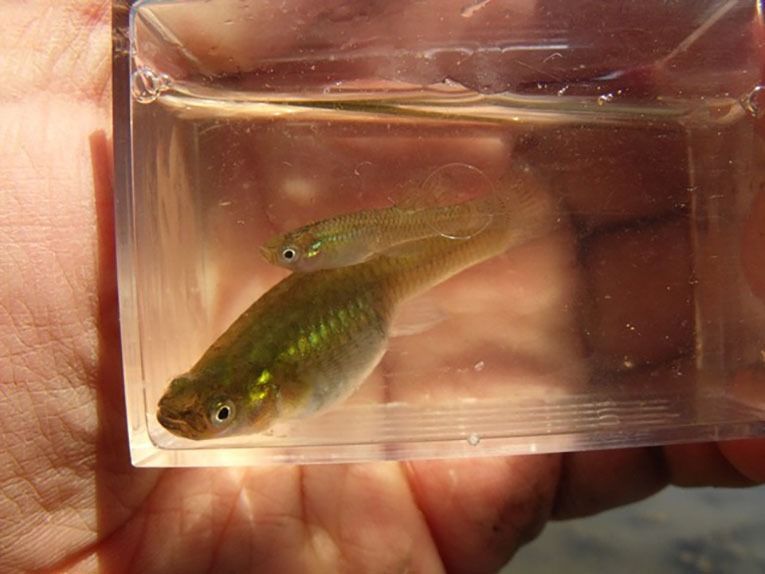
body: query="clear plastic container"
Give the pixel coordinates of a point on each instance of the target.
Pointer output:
(638, 319)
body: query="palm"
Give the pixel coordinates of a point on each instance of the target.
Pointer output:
(68, 494)
(65, 449)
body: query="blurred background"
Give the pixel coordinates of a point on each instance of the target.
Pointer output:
(678, 531)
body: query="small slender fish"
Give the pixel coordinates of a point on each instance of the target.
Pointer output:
(355, 237)
(311, 340)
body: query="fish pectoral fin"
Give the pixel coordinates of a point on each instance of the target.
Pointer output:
(416, 316)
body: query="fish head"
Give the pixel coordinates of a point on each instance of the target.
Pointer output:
(203, 406)
(294, 251)
(299, 250)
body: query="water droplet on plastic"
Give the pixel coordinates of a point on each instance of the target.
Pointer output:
(147, 85)
(754, 102)
(473, 439)
(479, 366)
(605, 98)
(451, 83)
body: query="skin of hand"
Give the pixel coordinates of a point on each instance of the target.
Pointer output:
(69, 498)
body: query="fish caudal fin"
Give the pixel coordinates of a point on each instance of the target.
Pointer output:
(523, 203)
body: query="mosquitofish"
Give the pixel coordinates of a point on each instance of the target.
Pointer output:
(355, 237)
(311, 340)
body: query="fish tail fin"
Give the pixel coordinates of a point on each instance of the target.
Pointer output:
(522, 204)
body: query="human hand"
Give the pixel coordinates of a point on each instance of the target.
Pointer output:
(69, 498)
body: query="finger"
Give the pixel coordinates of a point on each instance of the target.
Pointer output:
(640, 294)
(591, 482)
(727, 463)
(706, 464)
(369, 513)
(595, 481)
(747, 456)
(324, 519)
(481, 511)
(588, 167)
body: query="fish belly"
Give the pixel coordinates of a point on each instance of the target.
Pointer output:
(337, 377)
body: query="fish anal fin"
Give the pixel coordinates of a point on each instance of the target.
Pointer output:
(416, 316)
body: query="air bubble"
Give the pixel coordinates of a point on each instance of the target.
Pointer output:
(147, 85)
(754, 102)
(479, 366)
(473, 439)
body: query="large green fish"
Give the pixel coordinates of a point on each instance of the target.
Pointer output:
(313, 338)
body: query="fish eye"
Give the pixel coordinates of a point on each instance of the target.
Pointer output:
(222, 414)
(289, 254)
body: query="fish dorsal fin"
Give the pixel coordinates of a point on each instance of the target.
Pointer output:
(453, 185)
(448, 184)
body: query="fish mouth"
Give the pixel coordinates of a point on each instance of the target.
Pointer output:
(170, 423)
(178, 424)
